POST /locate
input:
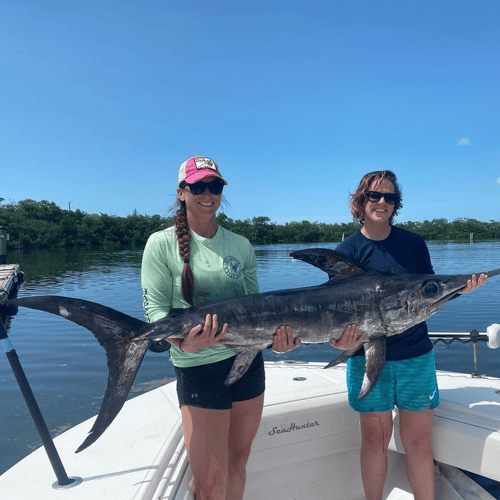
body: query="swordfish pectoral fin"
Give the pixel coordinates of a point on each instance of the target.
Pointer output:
(123, 363)
(374, 364)
(242, 362)
(342, 357)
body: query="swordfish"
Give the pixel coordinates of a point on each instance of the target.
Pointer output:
(382, 304)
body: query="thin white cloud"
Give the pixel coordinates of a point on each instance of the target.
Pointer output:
(463, 142)
(497, 180)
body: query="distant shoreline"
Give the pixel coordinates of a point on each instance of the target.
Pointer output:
(43, 224)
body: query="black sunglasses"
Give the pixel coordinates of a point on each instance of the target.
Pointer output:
(216, 186)
(391, 198)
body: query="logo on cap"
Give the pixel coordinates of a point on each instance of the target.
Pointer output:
(202, 163)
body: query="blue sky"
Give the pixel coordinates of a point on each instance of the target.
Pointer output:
(103, 100)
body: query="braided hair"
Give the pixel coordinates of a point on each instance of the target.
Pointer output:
(184, 240)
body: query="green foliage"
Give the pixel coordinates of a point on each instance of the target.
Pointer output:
(42, 224)
(458, 230)
(260, 230)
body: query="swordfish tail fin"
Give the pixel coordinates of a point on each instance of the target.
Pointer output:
(117, 332)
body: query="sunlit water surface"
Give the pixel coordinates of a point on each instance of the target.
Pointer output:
(67, 368)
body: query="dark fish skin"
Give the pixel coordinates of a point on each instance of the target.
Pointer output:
(381, 304)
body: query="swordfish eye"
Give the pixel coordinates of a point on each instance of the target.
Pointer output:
(430, 288)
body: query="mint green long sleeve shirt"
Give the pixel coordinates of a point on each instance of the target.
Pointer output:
(223, 267)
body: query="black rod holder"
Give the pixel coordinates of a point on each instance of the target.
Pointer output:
(36, 414)
(474, 335)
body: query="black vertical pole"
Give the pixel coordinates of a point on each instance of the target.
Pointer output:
(62, 477)
(3, 245)
(474, 335)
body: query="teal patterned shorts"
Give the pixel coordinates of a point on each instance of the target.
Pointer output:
(409, 384)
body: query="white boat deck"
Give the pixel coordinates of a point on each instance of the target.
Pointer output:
(307, 445)
(466, 429)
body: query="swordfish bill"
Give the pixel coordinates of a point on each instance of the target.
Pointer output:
(381, 304)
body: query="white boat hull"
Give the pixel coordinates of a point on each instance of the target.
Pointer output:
(307, 445)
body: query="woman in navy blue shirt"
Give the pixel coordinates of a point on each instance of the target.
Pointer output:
(408, 380)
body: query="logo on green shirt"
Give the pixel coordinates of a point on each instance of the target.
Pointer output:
(232, 267)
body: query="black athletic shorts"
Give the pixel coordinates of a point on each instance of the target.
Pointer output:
(203, 386)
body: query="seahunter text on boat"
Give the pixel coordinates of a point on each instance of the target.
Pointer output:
(293, 427)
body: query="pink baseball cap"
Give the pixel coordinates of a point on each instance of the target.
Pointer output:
(198, 167)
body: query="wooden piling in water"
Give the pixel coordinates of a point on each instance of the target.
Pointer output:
(3, 244)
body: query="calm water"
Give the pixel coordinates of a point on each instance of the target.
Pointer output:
(66, 366)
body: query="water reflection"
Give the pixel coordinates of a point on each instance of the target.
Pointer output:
(67, 367)
(46, 266)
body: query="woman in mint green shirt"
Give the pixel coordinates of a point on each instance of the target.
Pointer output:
(197, 261)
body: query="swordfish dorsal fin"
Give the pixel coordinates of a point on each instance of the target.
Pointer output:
(331, 262)
(117, 332)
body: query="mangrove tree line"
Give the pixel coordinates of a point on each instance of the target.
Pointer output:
(42, 224)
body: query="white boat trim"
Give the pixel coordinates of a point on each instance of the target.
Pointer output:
(308, 432)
